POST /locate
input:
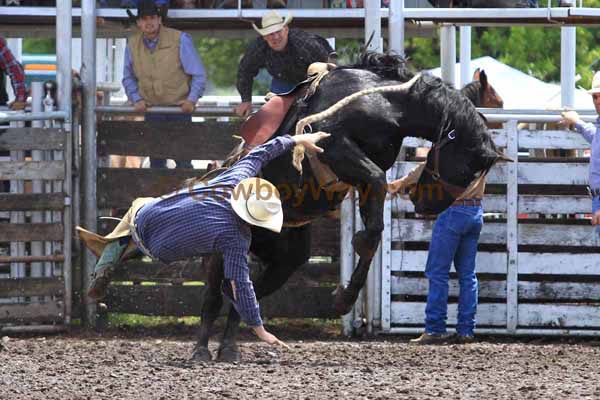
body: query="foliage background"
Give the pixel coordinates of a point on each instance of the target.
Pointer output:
(533, 50)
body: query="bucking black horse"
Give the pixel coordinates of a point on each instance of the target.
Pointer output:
(366, 136)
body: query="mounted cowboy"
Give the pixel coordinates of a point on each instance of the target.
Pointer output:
(285, 53)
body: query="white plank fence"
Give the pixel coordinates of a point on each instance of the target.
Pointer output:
(539, 273)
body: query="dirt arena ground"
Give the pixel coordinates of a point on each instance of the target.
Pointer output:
(321, 365)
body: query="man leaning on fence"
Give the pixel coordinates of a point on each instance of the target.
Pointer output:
(162, 68)
(590, 132)
(285, 53)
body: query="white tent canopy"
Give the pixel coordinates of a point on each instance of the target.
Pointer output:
(519, 90)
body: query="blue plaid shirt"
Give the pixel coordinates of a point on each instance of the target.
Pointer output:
(199, 220)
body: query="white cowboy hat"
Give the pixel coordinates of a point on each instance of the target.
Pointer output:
(272, 22)
(595, 84)
(257, 202)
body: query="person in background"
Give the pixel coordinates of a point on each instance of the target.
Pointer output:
(285, 53)
(11, 67)
(454, 239)
(590, 132)
(162, 68)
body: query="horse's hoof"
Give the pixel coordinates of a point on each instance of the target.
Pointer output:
(342, 305)
(229, 353)
(201, 354)
(364, 244)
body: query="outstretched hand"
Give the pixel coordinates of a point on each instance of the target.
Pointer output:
(269, 338)
(308, 140)
(569, 118)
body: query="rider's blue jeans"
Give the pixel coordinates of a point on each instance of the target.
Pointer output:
(279, 86)
(454, 238)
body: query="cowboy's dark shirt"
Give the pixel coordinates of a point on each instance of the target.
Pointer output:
(199, 220)
(289, 65)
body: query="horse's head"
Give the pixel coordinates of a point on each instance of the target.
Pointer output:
(488, 96)
(462, 149)
(481, 93)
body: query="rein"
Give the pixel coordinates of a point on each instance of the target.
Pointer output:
(443, 140)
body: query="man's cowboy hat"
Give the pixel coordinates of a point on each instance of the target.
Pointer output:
(146, 8)
(595, 84)
(272, 22)
(257, 202)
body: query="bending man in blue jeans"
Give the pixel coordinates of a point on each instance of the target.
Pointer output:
(206, 218)
(454, 238)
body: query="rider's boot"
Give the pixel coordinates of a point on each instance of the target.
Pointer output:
(106, 267)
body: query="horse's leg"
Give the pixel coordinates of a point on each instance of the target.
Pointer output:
(352, 165)
(213, 300)
(283, 254)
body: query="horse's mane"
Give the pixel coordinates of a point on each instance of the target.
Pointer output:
(386, 65)
(453, 105)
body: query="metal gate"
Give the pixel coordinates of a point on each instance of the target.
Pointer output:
(35, 221)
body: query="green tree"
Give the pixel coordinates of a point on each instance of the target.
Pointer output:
(39, 46)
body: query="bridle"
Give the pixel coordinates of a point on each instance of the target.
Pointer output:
(454, 190)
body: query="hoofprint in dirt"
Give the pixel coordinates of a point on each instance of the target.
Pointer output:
(130, 367)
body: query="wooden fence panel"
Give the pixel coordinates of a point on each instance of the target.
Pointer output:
(488, 314)
(528, 173)
(53, 286)
(18, 139)
(30, 170)
(546, 291)
(534, 139)
(32, 201)
(414, 230)
(51, 311)
(208, 140)
(31, 232)
(528, 204)
(118, 187)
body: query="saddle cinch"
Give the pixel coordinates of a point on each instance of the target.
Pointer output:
(260, 126)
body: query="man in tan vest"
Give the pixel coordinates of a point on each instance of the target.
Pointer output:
(162, 68)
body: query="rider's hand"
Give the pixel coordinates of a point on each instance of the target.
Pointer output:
(243, 109)
(140, 106)
(17, 105)
(569, 117)
(187, 106)
(309, 140)
(269, 338)
(596, 218)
